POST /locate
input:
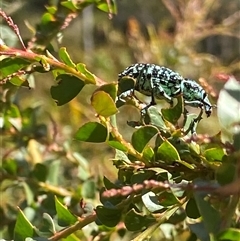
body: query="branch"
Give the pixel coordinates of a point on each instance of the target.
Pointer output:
(13, 26)
(79, 225)
(46, 62)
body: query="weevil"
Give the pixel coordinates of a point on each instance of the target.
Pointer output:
(160, 82)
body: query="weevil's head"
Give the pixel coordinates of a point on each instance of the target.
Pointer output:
(194, 95)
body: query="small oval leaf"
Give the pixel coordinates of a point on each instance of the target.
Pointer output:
(92, 132)
(23, 228)
(142, 136)
(103, 104)
(136, 221)
(167, 152)
(64, 56)
(108, 216)
(65, 218)
(68, 87)
(82, 69)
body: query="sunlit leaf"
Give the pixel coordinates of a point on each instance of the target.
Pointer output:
(231, 234)
(82, 69)
(113, 142)
(169, 154)
(70, 5)
(142, 136)
(103, 104)
(65, 217)
(64, 56)
(214, 154)
(151, 202)
(156, 118)
(23, 228)
(111, 89)
(104, 6)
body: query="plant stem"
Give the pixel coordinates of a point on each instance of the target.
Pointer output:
(79, 225)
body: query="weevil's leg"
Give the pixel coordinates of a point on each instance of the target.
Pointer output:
(193, 126)
(125, 95)
(153, 102)
(185, 113)
(159, 93)
(194, 103)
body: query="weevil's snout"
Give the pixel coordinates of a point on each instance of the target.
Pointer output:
(208, 108)
(208, 112)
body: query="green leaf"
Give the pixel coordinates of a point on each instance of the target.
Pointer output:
(211, 217)
(12, 65)
(116, 144)
(141, 176)
(142, 136)
(40, 172)
(104, 6)
(135, 221)
(192, 209)
(82, 69)
(51, 9)
(28, 192)
(226, 173)
(92, 132)
(10, 166)
(173, 114)
(53, 172)
(23, 228)
(65, 217)
(167, 198)
(70, 5)
(47, 18)
(88, 189)
(68, 87)
(64, 56)
(108, 184)
(103, 104)
(108, 216)
(214, 154)
(148, 153)
(120, 155)
(231, 234)
(110, 89)
(156, 118)
(48, 224)
(168, 153)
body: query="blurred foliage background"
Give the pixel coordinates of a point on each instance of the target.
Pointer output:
(198, 39)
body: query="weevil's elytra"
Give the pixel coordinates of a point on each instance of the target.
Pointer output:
(163, 83)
